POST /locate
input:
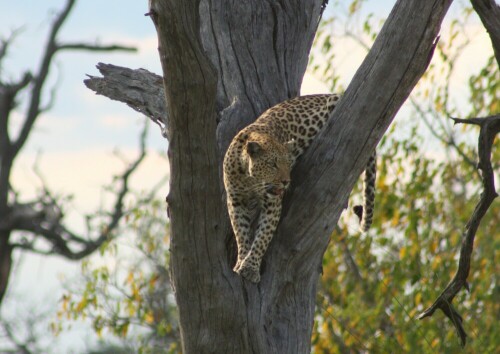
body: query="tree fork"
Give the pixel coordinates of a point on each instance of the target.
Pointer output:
(228, 66)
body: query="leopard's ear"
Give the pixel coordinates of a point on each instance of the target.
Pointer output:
(254, 149)
(290, 145)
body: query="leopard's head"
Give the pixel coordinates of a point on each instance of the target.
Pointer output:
(269, 163)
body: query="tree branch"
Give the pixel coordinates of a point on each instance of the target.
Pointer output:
(489, 12)
(446, 137)
(140, 89)
(4, 47)
(44, 218)
(40, 78)
(325, 175)
(20, 346)
(489, 127)
(95, 47)
(51, 49)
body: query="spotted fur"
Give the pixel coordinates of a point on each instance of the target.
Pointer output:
(257, 169)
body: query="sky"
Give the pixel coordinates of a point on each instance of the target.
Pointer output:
(76, 140)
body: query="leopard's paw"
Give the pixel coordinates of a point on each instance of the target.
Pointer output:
(237, 267)
(249, 273)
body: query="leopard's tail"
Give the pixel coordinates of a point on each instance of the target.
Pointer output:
(365, 211)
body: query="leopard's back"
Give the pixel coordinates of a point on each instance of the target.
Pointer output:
(299, 119)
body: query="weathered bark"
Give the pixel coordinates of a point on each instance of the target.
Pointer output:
(194, 200)
(221, 70)
(140, 89)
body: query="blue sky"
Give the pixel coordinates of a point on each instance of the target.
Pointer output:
(78, 136)
(77, 115)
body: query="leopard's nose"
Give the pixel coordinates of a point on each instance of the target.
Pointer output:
(285, 182)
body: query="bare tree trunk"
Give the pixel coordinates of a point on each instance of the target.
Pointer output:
(224, 63)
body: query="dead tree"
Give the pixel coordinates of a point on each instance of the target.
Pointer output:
(41, 221)
(224, 63)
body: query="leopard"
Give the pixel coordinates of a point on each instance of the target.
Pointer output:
(256, 174)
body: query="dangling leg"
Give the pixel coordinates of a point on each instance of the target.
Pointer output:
(240, 219)
(268, 221)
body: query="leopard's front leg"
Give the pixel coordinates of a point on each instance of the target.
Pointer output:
(240, 216)
(268, 221)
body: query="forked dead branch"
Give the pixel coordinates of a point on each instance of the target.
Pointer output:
(489, 128)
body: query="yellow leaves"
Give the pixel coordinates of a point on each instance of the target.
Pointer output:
(381, 184)
(439, 105)
(400, 338)
(412, 251)
(65, 301)
(55, 328)
(130, 278)
(135, 293)
(435, 342)
(149, 317)
(81, 305)
(433, 246)
(153, 280)
(124, 329)
(98, 325)
(494, 106)
(436, 262)
(395, 219)
(131, 309)
(418, 298)
(354, 6)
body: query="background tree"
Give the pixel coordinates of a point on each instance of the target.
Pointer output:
(209, 100)
(38, 225)
(129, 297)
(400, 266)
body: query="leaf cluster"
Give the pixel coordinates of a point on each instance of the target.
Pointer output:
(126, 292)
(374, 285)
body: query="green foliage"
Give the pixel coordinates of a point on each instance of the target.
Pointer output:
(400, 266)
(485, 89)
(127, 292)
(375, 285)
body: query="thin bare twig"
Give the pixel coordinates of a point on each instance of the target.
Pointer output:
(489, 128)
(448, 140)
(95, 47)
(5, 43)
(44, 218)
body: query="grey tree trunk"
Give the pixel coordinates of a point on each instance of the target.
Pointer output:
(224, 63)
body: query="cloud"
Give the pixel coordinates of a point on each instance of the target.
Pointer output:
(115, 121)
